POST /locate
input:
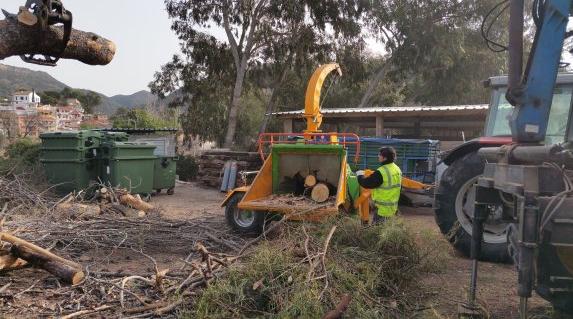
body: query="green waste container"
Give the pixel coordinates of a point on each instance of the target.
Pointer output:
(69, 159)
(164, 174)
(115, 137)
(128, 165)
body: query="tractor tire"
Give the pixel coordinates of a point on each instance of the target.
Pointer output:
(244, 222)
(563, 306)
(450, 214)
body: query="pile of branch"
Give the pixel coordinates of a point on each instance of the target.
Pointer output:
(212, 163)
(16, 194)
(114, 232)
(123, 294)
(107, 201)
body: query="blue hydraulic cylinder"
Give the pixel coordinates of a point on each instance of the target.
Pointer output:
(531, 114)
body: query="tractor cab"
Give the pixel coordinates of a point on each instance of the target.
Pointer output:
(500, 110)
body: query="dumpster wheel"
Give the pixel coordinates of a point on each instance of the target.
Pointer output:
(171, 191)
(243, 221)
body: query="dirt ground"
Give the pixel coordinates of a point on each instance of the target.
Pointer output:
(190, 200)
(444, 290)
(497, 283)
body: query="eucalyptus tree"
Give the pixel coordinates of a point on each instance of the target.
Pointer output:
(256, 32)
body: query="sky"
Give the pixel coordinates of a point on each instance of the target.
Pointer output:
(140, 30)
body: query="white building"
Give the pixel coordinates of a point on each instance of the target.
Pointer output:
(25, 99)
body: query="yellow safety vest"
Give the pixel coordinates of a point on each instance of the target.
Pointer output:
(387, 195)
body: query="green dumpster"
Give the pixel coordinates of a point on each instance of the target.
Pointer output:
(115, 137)
(69, 159)
(164, 174)
(128, 165)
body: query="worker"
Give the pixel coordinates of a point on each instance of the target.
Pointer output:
(386, 183)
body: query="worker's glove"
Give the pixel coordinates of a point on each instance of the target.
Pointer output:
(359, 173)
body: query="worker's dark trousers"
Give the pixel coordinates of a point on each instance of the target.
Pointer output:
(377, 219)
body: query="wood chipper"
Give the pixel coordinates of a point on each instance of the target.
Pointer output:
(305, 177)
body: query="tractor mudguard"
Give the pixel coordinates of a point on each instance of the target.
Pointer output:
(242, 189)
(472, 146)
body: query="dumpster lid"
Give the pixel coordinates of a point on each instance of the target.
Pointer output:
(131, 145)
(140, 130)
(70, 134)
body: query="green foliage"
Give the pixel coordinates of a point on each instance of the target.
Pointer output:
(50, 97)
(140, 118)
(88, 99)
(22, 155)
(377, 266)
(187, 168)
(25, 149)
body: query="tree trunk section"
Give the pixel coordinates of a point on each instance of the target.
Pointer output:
(234, 108)
(135, 203)
(67, 270)
(310, 181)
(89, 48)
(320, 193)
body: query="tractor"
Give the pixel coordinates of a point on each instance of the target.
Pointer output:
(455, 196)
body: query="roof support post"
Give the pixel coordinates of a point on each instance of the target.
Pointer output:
(379, 125)
(287, 125)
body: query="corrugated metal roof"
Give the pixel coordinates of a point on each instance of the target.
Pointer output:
(392, 109)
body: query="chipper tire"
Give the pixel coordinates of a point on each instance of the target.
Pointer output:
(244, 222)
(449, 211)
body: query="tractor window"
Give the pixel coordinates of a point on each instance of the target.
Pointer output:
(500, 113)
(559, 116)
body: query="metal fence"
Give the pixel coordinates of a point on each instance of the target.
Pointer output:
(416, 158)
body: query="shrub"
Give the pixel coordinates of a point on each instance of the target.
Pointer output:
(24, 150)
(21, 156)
(378, 266)
(187, 168)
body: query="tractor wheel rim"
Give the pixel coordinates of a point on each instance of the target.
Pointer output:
(244, 218)
(493, 234)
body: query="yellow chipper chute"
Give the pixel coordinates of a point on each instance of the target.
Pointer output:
(304, 177)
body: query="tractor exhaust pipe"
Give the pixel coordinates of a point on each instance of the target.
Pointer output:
(516, 22)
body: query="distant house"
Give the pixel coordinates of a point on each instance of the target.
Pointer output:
(96, 121)
(25, 99)
(69, 117)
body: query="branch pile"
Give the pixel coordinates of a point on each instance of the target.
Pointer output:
(338, 269)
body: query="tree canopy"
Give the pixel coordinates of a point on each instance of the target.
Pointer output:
(433, 54)
(88, 99)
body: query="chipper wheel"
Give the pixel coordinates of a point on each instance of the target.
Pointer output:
(454, 197)
(243, 221)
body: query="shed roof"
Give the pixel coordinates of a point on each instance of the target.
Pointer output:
(405, 110)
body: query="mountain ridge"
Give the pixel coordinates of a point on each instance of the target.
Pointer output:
(15, 78)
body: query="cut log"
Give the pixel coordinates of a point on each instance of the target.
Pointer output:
(310, 181)
(135, 203)
(68, 271)
(18, 39)
(320, 193)
(11, 262)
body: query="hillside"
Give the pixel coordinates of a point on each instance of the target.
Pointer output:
(140, 98)
(15, 78)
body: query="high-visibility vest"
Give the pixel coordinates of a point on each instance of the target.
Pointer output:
(387, 195)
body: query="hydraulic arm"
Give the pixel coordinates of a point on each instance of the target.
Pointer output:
(532, 98)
